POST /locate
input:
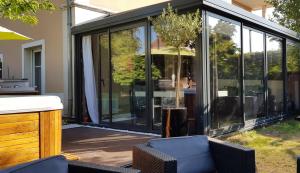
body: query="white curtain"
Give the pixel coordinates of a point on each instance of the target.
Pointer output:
(89, 79)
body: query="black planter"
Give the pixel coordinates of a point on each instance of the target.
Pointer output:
(174, 122)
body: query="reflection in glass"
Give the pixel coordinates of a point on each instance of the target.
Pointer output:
(104, 77)
(253, 46)
(275, 76)
(164, 70)
(293, 69)
(101, 72)
(224, 56)
(128, 76)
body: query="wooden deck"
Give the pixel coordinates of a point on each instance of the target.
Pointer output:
(101, 146)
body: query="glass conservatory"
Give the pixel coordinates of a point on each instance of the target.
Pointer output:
(242, 72)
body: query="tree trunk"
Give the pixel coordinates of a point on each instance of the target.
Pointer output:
(177, 88)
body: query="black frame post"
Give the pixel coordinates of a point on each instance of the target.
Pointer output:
(285, 76)
(149, 83)
(203, 121)
(78, 78)
(242, 75)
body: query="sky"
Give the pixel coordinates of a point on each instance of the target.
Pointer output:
(256, 38)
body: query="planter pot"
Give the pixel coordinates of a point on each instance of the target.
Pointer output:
(174, 122)
(85, 119)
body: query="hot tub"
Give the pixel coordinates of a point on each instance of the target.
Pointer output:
(30, 128)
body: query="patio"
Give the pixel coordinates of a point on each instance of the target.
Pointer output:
(100, 146)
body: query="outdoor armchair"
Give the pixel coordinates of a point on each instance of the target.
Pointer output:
(58, 164)
(226, 157)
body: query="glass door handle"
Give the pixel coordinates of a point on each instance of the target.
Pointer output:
(102, 82)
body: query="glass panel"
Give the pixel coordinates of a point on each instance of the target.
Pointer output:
(37, 70)
(164, 70)
(105, 76)
(37, 77)
(37, 59)
(224, 56)
(293, 69)
(1, 66)
(253, 44)
(128, 76)
(275, 76)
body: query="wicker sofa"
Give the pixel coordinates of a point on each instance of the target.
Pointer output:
(227, 158)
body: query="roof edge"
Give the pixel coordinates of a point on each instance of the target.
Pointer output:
(250, 17)
(152, 10)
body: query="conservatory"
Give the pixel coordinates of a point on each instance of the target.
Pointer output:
(243, 71)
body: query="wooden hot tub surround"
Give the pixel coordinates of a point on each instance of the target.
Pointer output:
(30, 128)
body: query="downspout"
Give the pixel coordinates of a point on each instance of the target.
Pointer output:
(70, 59)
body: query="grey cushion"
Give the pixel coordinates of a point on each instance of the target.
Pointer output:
(192, 153)
(56, 164)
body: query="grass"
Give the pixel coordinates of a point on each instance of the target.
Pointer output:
(276, 146)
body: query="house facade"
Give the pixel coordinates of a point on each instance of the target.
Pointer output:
(47, 59)
(242, 72)
(40, 60)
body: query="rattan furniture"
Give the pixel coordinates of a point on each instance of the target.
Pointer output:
(228, 158)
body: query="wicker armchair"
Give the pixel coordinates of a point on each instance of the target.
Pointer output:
(228, 158)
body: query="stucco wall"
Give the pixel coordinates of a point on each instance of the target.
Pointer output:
(49, 29)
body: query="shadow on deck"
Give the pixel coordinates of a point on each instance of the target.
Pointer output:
(101, 146)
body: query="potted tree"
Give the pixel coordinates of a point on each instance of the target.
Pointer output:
(178, 31)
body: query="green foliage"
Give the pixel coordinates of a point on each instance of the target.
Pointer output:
(124, 46)
(287, 13)
(177, 30)
(275, 64)
(24, 10)
(293, 61)
(128, 60)
(224, 52)
(253, 69)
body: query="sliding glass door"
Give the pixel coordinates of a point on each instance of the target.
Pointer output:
(119, 66)
(293, 78)
(246, 86)
(254, 78)
(104, 77)
(128, 75)
(275, 76)
(224, 72)
(164, 71)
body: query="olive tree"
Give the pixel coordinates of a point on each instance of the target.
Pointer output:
(177, 30)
